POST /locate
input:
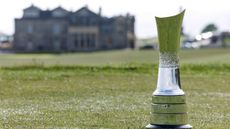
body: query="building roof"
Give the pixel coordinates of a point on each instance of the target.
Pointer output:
(32, 7)
(60, 8)
(85, 11)
(82, 12)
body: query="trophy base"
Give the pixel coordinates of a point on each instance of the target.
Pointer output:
(168, 126)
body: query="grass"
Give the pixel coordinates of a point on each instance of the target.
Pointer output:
(114, 95)
(203, 56)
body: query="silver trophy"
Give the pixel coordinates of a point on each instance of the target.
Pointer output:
(168, 108)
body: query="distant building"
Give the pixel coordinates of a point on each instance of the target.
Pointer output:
(5, 41)
(62, 30)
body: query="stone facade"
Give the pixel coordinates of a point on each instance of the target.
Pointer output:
(60, 30)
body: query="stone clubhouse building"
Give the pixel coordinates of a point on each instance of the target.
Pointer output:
(60, 30)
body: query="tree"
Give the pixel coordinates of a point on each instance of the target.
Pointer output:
(209, 27)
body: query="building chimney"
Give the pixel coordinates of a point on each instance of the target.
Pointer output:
(99, 11)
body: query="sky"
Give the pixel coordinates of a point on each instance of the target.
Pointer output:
(198, 12)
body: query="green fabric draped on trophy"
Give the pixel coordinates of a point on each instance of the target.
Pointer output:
(168, 108)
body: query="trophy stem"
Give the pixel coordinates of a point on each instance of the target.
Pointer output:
(168, 82)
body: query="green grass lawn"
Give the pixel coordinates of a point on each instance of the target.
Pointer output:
(112, 92)
(202, 56)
